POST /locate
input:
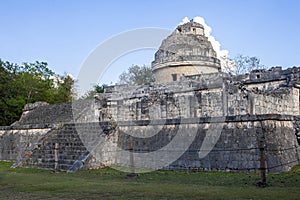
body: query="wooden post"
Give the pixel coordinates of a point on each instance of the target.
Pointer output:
(297, 154)
(56, 157)
(132, 173)
(262, 164)
(132, 170)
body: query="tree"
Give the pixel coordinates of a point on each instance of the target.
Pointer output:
(241, 64)
(96, 90)
(7, 106)
(137, 75)
(28, 83)
(65, 89)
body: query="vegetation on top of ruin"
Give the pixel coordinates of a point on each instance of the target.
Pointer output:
(97, 89)
(241, 64)
(137, 75)
(32, 82)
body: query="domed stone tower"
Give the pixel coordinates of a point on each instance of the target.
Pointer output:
(185, 52)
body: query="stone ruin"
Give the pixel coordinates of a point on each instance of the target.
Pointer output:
(222, 122)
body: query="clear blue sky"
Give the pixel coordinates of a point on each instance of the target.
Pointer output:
(64, 32)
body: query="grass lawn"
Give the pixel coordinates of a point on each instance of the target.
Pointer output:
(33, 183)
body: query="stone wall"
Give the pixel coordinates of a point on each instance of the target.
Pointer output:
(187, 51)
(65, 141)
(202, 96)
(252, 100)
(168, 73)
(248, 111)
(14, 141)
(47, 114)
(236, 149)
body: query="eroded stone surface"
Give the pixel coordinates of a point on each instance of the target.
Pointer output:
(185, 52)
(259, 108)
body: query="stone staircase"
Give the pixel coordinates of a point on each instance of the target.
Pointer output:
(64, 148)
(29, 151)
(65, 141)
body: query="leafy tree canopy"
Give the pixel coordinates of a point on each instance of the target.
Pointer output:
(137, 75)
(28, 83)
(95, 90)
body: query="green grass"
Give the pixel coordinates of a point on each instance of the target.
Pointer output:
(33, 183)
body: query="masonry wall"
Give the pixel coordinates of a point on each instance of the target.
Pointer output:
(252, 100)
(47, 114)
(260, 108)
(278, 102)
(166, 72)
(15, 140)
(236, 149)
(208, 96)
(282, 147)
(32, 146)
(65, 142)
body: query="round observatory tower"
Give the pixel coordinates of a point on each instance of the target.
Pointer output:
(185, 52)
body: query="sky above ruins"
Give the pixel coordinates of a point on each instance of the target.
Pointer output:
(63, 33)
